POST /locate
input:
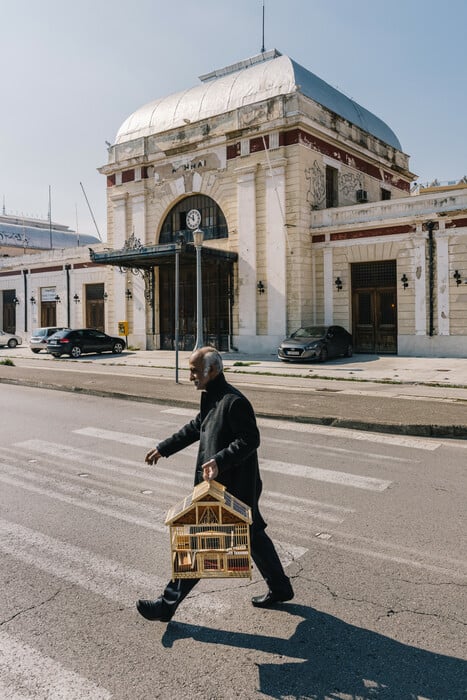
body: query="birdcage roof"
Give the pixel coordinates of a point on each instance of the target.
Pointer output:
(214, 492)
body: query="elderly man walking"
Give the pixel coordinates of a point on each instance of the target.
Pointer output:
(228, 441)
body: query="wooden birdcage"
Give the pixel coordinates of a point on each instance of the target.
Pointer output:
(210, 534)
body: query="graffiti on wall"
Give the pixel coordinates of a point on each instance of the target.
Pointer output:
(316, 191)
(349, 183)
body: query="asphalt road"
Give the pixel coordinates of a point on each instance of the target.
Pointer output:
(371, 528)
(412, 407)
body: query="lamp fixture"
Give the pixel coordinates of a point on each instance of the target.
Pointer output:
(105, 296)
(57, 298)
(15, 300)
(338, 283)
(198, 237)
(260, 287)
(128, 294)
(457, 277)
(32, 300)
(76, 299)
(405, 281)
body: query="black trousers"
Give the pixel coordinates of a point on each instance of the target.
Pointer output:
(263, 554)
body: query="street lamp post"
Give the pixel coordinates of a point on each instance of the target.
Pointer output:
(178, 249)
(198, 236)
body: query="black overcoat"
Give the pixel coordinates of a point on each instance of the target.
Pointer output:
(227, 432)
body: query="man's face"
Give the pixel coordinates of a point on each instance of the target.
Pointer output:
(198, 374)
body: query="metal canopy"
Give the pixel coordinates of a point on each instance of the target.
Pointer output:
(147, 257)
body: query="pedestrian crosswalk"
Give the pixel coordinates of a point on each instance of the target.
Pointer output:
(99, 474)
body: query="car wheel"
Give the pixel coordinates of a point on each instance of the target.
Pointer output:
(349, 351)
(117, 347)
(35, 351)
(323, 355)
(12, 343)
(75, 351)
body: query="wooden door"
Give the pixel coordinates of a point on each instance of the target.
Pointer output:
(375, 320)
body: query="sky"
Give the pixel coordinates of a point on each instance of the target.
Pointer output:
(74, 70)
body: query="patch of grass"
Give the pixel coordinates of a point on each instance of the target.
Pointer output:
(239, 363)
(7, 362)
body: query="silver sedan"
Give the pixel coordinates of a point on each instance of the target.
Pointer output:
(9, 339)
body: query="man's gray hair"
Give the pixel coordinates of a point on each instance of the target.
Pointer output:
(212, 359)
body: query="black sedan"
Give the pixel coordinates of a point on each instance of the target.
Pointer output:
(76, 342)
(316, 343)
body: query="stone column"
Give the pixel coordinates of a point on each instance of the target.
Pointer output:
(420, 282)
(276, 252)
(328, 288)
(246, 216)
(120, 235)
(442, 275)
(137, 304)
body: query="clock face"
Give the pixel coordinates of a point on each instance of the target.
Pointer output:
(193, 219)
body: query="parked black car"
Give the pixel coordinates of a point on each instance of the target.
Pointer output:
(316, 343)
(78, 341)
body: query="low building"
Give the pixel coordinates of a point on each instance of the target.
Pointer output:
(46, 277)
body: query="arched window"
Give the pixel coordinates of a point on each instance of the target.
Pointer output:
(213, 222)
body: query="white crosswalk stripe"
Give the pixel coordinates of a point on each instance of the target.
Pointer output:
(301, 470)
(312, 429)
(76, 565)
(42, 678)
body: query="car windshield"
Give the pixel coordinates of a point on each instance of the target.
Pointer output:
(40, 331)
(310, 332)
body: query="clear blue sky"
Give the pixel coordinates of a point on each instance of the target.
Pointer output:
(73, 71)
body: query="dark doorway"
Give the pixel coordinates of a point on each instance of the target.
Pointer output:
(9, 311)
(374, 302)
(216, 286)
(95, 316)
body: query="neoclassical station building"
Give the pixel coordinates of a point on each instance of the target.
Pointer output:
(309, 215)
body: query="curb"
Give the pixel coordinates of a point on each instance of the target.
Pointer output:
(418, 430)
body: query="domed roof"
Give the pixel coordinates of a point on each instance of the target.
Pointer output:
(38, 234)
(259, 78)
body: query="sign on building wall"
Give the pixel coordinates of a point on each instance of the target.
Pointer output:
(48, 293)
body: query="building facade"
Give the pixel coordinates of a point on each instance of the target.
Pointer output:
(309, 216)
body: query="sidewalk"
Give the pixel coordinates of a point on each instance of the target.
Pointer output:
(404, 395)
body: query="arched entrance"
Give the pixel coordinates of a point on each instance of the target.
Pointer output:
(216, 280)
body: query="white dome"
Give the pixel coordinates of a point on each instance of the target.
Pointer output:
(260, 78)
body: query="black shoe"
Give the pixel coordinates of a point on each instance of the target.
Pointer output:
(154, 610)
(272, 597)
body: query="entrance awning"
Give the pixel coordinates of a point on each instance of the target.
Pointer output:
(147, 257)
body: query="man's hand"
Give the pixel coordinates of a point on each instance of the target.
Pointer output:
(210, 470)
(152, 456)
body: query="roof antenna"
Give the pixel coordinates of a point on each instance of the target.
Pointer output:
(90, 210)
(263, 49)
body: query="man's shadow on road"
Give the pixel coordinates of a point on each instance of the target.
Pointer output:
(339, 660)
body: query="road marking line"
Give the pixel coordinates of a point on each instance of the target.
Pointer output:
(332, 477)
(290, 505)
(175, 477)
(348, 433)
(402, 441)
(301, 470)
(41, 676)
(97, 574)
(355, 549)
(326, 449)
(102, 509)
(115, 436)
